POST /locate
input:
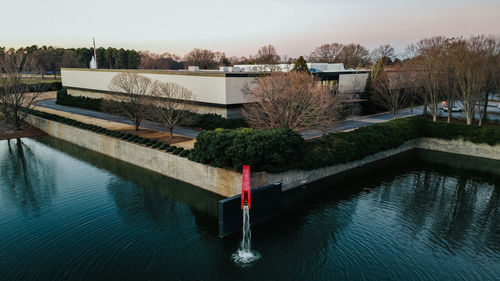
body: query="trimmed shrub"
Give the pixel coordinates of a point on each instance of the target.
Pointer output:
(163, 146)
(171, 148)
(63, 98)
(211, 121)
(184, 153)
(265, 150)
(178, 150)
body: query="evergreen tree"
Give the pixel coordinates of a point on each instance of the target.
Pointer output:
(300, 65)
(369, 106)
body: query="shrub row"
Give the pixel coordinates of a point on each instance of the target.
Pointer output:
(281, 150)
(115, 134)
(338, 148)
(207, 121)
(41, 87)
(82, 102)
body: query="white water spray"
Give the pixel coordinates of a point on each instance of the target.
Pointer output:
(244, 256)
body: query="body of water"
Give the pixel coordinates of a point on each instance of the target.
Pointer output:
(67, 213)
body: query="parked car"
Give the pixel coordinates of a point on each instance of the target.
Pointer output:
(498, 106)
(454, 108)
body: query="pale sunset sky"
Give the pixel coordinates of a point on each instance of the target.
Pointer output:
(294, 27)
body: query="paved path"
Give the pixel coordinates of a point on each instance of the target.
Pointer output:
(186, 132)
(361, 121)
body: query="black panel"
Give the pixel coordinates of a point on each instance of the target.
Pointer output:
(266, 203)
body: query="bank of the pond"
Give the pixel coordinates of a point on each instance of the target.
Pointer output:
(9, 131)
(228, 182)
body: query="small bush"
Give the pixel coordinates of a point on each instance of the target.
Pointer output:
(178, 150)
(170, 148)
(184, 153)
(163, 146)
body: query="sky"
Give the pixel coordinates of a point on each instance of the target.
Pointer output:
(294, 27)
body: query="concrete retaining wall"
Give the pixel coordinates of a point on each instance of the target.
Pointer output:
(460, 147)
(224, 182)
(296, 178)
(228, 183)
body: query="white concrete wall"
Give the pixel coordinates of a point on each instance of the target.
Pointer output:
(208, 87)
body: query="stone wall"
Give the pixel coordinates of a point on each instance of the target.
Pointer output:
(226, 182)
(460, 147)
(221, 181)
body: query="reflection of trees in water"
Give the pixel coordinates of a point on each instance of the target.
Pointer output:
(29, 181)
(454, 209)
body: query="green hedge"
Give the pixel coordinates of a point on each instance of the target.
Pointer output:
(281, 150)
(211, 121)
(266, 150)
(337, 148)
(41, 86)
(82, 102)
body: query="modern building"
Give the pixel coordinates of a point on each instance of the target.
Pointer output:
(214, 91)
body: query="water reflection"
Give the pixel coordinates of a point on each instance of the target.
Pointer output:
(200, 200)
(420, 216)
(29, 180)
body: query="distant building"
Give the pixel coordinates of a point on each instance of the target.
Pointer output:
(214, 91)
(349, 80)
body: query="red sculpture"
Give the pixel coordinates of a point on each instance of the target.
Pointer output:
(245, 189)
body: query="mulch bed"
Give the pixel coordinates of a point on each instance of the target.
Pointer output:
(8, 131)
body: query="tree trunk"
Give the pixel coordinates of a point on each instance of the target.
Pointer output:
(137, 123)
(171, 133)
(469, 120)
(434, 117)
(449, 111)
(485, 108)
(425, 109)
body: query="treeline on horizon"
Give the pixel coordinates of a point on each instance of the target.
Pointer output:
(49, 59)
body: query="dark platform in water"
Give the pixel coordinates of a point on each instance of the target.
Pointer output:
(266, 203)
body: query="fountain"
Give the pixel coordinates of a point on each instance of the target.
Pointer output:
(244, 256)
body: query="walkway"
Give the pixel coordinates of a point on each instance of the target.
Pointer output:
(51, 104)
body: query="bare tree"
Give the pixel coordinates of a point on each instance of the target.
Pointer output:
(389, 90)
(137, 92)
(354, 55)
(15, 96)
(383, 52)
(267, 55)
(430, 64)
(470, 71)
(488, 47)
(173, 102)
(291, 100)
(160, 61)
(328, 53)
(205, 59)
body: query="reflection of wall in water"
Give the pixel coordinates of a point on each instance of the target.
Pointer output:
(197, 198)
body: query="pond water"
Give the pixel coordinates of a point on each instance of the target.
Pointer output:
(67, 213)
